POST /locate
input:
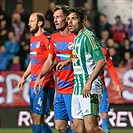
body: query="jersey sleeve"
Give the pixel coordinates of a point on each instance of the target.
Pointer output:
(94, 48)
(51, 46)
(46, 43)
(110, 66)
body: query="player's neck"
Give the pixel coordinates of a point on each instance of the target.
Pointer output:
(65, 31)
(39, 32)
(79, 31)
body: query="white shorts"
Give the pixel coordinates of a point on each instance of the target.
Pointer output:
(82, 107)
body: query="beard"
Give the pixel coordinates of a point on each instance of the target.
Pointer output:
(35, 29)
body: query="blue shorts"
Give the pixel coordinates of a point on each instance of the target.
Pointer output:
(62, 107)
(42, 102)
(104, 105)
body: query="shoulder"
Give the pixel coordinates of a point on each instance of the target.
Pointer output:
(105, 51)
(88, 34)
(47, 34)
(55, 34)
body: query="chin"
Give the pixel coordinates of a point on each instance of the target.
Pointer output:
(71, 30)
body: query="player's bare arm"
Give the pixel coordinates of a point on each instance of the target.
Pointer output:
(99, 67)
(25, 75)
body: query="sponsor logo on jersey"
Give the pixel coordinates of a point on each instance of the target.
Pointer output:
(55, 44)
(37, 44)
(33, 53)
(77, 70)
(63, 56)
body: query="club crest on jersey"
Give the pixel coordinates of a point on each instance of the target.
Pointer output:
(75, 56)
(70, 46)
(38, 45)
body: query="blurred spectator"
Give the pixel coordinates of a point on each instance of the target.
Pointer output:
(130, 31)
(127, 48)
(24, 49)
(91, 14)
(49, 13)
(126, 60)
(103, 26)
(3, 58)
(19, 9)
(48, 27)
(15, 65)
(12, 45)
(115, 57)
(4, 16)
(3, 31)
(18, 26)
(89, 26)
(104, 38)
(118, 31)
(111, 43)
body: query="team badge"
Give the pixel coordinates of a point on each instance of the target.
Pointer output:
(70, 46)
(75, 56)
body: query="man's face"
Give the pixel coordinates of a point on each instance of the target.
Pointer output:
(59, 20)
(33, 24)
(73, 22)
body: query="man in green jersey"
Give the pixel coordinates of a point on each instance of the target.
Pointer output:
(88, 62)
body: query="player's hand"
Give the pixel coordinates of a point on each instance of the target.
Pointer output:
(21, 83)
(60, 65)
(38, 85)
(86, 90)
(119, 90)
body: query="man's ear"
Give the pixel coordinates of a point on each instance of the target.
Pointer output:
(39, 23)
(83, 22)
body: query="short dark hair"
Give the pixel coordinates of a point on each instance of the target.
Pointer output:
(64, 8)
(117, 17)
(40, 17)
(80, 11)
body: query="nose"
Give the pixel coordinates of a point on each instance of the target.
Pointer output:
(29, 23)
(55, 20)
(69, 21)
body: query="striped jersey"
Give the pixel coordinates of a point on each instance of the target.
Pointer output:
(86, 52)
(110, 68)
(38, 55)
(61, 48)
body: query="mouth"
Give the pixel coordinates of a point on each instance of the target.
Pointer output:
(70, 26)
(56, 24)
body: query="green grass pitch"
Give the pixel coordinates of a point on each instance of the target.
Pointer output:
(27, 130)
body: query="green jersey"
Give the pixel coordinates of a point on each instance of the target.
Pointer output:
(86, 52)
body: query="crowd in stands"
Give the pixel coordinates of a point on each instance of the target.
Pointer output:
(15, 36)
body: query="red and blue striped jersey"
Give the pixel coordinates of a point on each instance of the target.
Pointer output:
(61, 48)
(38, 55)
